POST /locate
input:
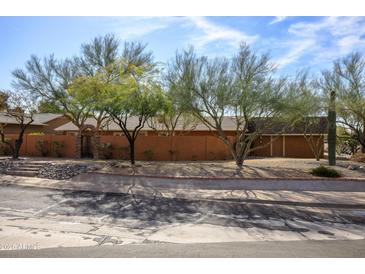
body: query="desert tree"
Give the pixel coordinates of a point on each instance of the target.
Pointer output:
(135, 96)
(97, 63)
(242, 88)
(88, 93)
(18, 109)
(50, 79)
(60, 83)
(307, 109)
(351, 95)
(171, 116)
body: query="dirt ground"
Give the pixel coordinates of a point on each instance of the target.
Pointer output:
(253, 168)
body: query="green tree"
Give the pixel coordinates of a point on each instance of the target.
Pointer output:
(20, 110)
(130, 107)
(97, 63)
(242, 87)
(49, 79)
(135, 96)
(46, 106)
(172, 115)
(306, 107)
(59, 82)
(351, 95)
(89, 93)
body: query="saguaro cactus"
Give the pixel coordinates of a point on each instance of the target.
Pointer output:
(332, 130)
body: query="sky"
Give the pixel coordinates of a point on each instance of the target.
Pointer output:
(294, 43)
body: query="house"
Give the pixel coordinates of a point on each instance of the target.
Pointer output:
(195, 142)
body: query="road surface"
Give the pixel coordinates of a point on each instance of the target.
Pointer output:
(292, 249)
(74, 223)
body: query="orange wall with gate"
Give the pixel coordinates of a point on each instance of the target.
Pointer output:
(171, 148)
(29, 146)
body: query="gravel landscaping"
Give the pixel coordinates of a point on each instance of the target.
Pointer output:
(62, 169)
(253, 168)
(7, 165)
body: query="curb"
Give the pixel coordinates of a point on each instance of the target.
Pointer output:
(230, 178)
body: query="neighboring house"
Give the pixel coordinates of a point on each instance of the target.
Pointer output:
(43, 123)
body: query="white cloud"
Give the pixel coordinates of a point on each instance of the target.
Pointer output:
(278, 19)
(324, 40)
(199, 31)
(296, 50)
(136, 27)
(209, 32)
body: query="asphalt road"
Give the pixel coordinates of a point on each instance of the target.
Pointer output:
(89, 224)
(292, 249)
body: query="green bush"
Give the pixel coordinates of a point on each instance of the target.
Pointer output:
(123, 152)
(107, 150)
(323, 171)
(42, 147)
(148, 154)
(358, 157)
(4, 148)
(57, 146)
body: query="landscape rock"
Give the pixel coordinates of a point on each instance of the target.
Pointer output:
(353, 167)
(64, 171)
(9, 164)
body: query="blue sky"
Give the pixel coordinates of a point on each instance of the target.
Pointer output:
(293, 42)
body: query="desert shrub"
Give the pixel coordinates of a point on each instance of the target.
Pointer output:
(124, 152)
(106, 150)
(346, 143)
(358, 157)
(42, 147)
(212, 156)
(323, 171)
(57, 147)
(4, 148)
(148, 154)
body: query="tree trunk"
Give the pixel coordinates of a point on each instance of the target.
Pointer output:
(363, 148)
(18, 144)
(332, 130)
(317, 157)
(239, 162)
(131, 145)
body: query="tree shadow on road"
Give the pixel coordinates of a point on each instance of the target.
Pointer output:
(151, 213)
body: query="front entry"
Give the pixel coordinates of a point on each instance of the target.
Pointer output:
(86, 144)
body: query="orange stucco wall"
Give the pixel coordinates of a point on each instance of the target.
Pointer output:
(29, 147)
(173, 148)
